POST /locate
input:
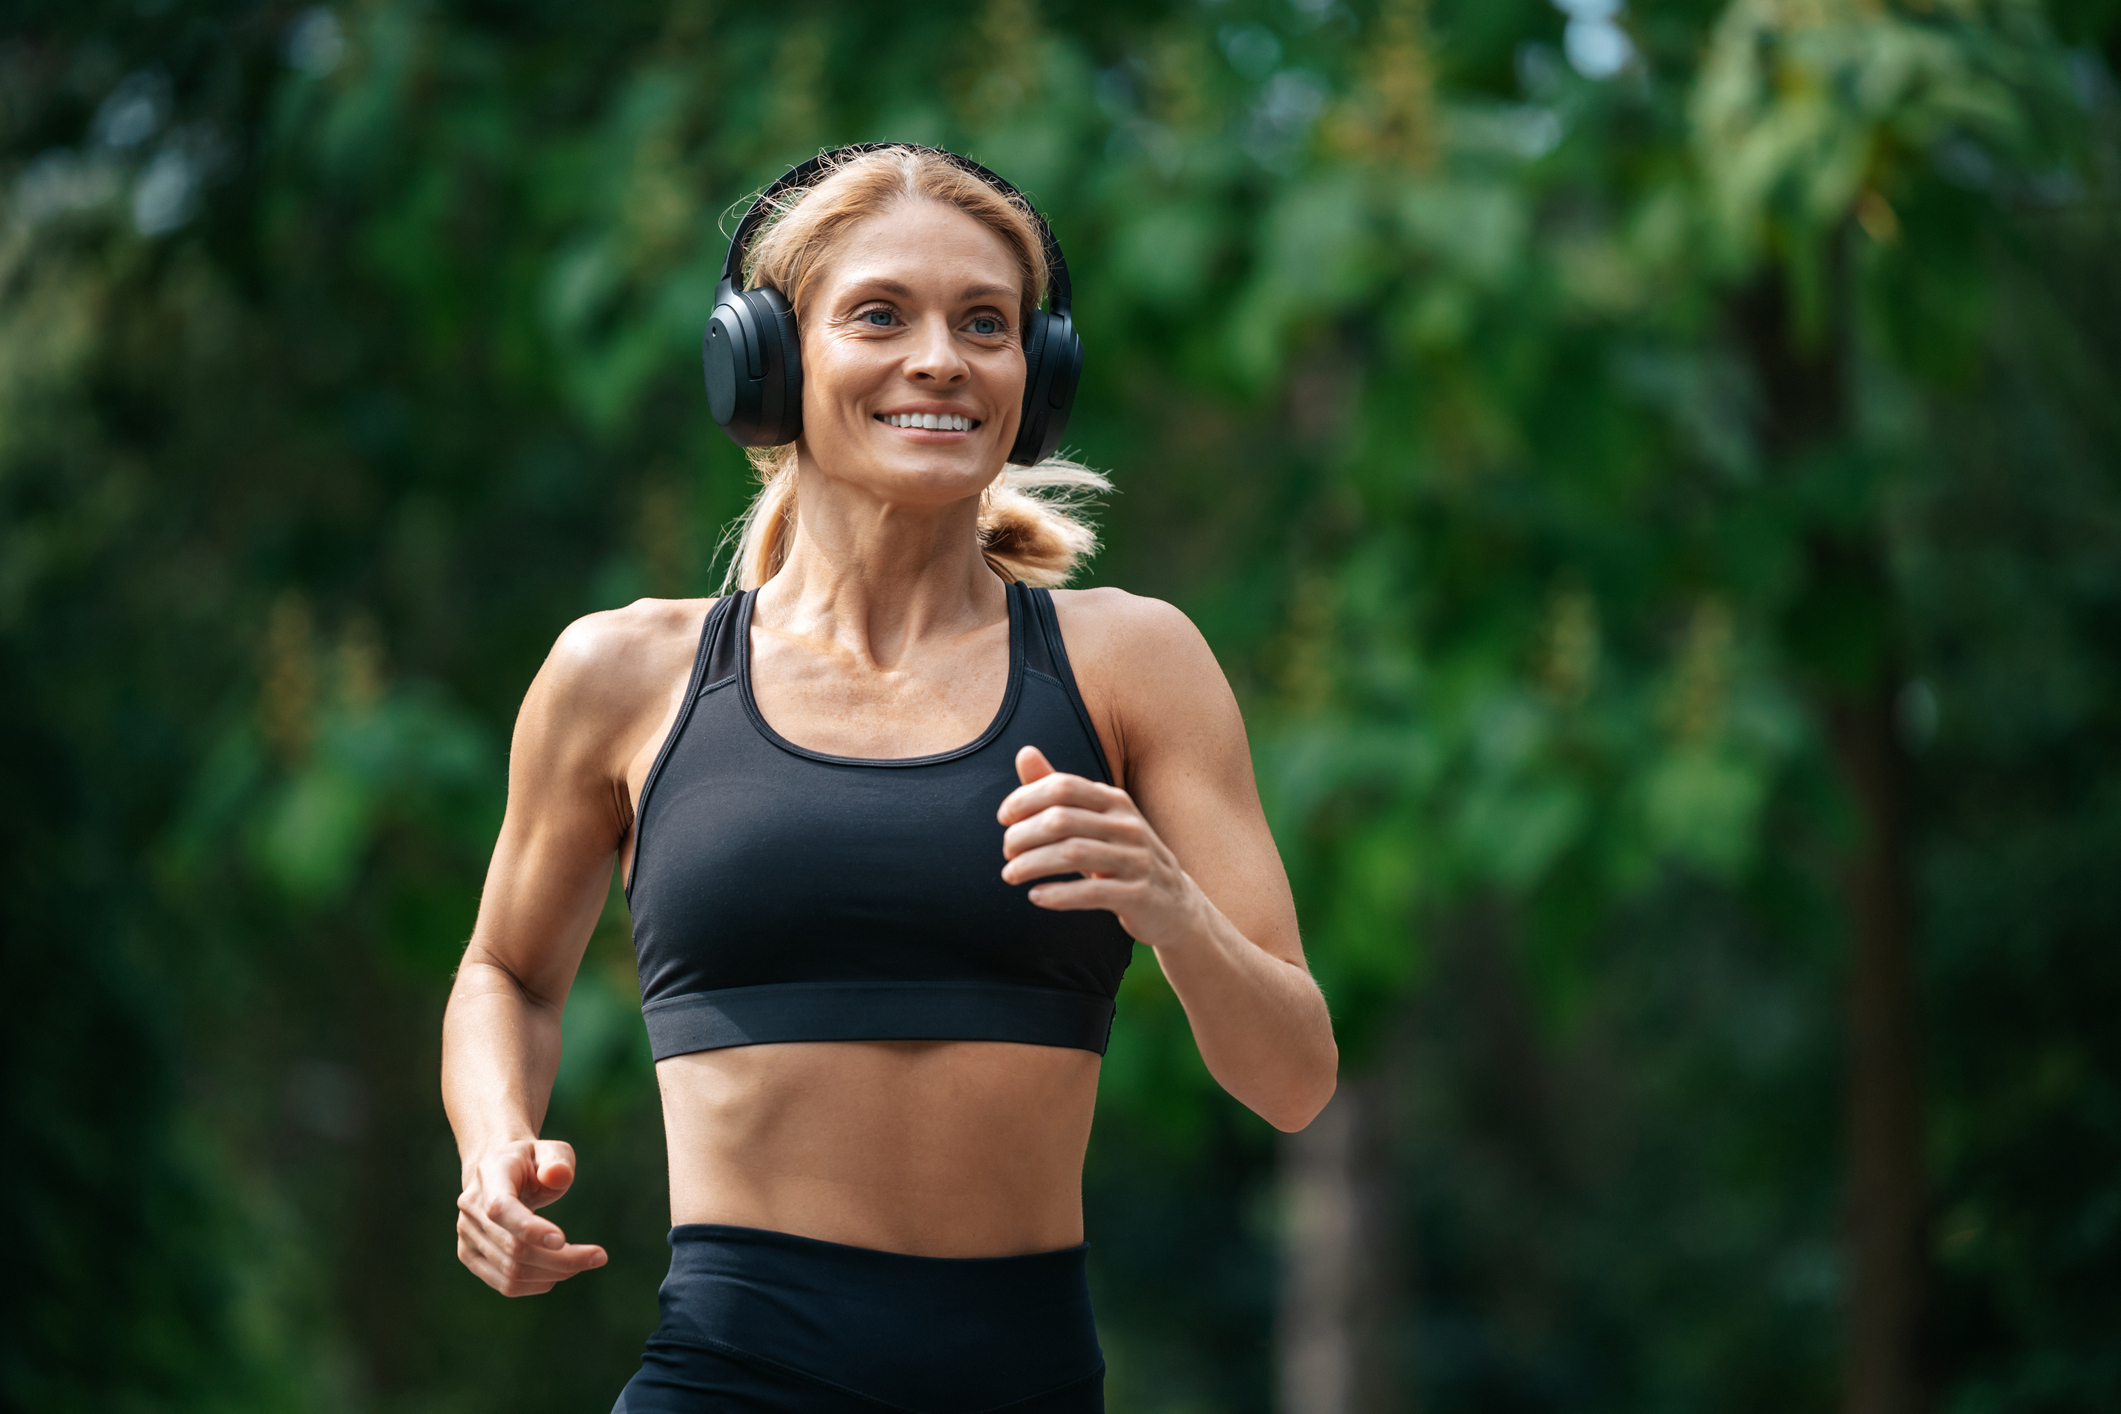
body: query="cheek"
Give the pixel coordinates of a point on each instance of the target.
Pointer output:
(1004, 373)
(836, 376)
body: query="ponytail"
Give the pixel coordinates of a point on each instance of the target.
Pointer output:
(1031, 522)
(767, 525)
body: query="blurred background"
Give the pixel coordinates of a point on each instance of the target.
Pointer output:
(1652, 469)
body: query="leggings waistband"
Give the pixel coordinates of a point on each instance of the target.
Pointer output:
(945, 1335)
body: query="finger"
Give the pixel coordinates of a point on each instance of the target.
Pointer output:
(503, 1246)
(1074, 856)
(498, 1258)
(1062, 822)
(1076, 895)
(511, 1215)
(1031, 767)
(490, 1257)
(537, 1264)
(1031, 764)
(530, 1239)
(554, 1166)
(512, 1277)
(1059, 788)
(483, 1265)
(513, 1260)
(501, 1243)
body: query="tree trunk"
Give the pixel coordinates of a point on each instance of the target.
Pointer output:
(1336, 1261)
(1885, 1197)
(1846, 630)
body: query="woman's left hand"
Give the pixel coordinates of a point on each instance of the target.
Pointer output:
(1062, 824)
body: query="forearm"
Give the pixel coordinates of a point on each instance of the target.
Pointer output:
(1260, 1022)
(500, 1052)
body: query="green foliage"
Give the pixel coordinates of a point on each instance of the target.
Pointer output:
(1543, 454)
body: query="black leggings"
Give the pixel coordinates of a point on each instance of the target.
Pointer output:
(758, 1322)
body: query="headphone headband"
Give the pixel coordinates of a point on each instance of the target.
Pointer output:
(1059, 292)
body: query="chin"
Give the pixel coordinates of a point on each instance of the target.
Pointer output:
(927, 482)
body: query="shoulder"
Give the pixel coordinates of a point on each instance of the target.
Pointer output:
(614, 651)
(608, 668)
(1111, 632)
(1149, 679)
(601, 644)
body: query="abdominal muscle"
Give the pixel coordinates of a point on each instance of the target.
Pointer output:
(931, 1148)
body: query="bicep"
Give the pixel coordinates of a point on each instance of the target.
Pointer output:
(552, 863)
(1190, 772)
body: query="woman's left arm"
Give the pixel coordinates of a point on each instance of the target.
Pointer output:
(1182, 855)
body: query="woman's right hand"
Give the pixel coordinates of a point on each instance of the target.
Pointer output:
(499, 1237)
(587, 721)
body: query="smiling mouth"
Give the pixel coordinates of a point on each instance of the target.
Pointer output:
(929, 421)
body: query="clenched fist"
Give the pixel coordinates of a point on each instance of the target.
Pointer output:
(500, 1237)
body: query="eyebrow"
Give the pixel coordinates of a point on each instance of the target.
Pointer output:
(986, 291)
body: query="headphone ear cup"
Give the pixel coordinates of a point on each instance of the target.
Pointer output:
(783, 403)
(754, 368)
(1053, 366)
(722, 355)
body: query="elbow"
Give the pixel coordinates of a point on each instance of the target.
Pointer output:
(484, 973)
(1307, 1097)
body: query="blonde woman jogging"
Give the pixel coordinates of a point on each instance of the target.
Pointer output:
(892, 816)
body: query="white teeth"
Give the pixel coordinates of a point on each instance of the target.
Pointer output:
(938, 421)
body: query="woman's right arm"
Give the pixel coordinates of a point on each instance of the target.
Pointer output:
(607, 683)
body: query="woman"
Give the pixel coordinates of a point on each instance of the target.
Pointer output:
(885, 851)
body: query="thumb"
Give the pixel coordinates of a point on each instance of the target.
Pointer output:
(554, 1164)
(1032, 765)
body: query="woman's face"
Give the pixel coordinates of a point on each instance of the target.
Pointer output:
(913, 364)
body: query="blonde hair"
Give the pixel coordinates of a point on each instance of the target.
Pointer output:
(1031, 522)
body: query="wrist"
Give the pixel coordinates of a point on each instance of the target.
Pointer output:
(1192, 925)
(470, 1154)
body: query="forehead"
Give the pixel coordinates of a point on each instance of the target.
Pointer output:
(924, 245)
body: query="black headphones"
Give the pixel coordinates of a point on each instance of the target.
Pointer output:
(754, 361)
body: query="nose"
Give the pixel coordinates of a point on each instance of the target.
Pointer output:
(934, 358)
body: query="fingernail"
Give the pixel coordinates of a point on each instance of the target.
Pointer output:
(553, 1241)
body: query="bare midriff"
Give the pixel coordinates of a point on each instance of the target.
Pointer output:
(930, 1148)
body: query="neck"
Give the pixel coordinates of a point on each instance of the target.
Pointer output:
(877, 577)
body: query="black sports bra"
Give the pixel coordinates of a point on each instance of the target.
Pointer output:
(781, 894)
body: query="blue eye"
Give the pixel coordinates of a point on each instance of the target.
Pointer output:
(881, 318)
(986, 325)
